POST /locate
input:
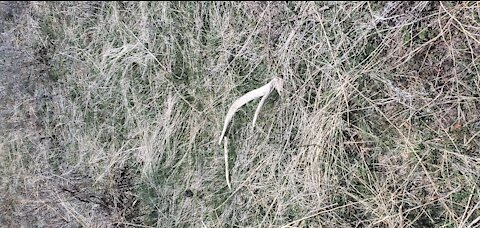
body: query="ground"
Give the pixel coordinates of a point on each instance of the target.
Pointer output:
(110, 114)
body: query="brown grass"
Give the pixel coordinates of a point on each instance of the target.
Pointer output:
(378, 125)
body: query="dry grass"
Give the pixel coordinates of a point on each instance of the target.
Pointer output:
(378, 125)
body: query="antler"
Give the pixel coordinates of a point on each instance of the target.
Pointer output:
(276, 83)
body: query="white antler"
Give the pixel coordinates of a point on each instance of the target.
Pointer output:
(276, 83)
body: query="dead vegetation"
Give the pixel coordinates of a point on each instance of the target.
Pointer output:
(378, 124)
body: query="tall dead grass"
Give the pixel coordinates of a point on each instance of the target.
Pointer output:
(378, 124)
